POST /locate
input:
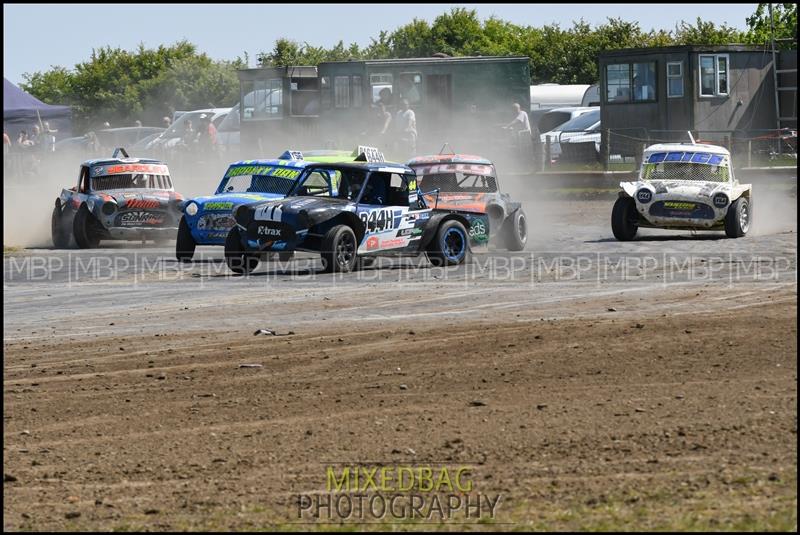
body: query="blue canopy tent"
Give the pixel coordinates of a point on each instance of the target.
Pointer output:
(21, 111)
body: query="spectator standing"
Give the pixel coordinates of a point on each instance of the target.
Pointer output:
(520, 123)
(407, 127)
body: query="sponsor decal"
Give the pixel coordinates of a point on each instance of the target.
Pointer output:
(142, 203)
(218, 205)
(372, 243)
(393, 243)
(720, 200)
(132, 219)
(269, 232)
(137, 168)
(415, 231)
(644, 195)
(215, 221)
(679, 205)
(477, 231)
(263, 170)
(472, 169)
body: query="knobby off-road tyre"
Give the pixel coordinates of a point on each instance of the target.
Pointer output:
(737, 220)
(624, 219)
(339, 250)
(238, 260)
(84, 228)
(450, 246)
(184, 244)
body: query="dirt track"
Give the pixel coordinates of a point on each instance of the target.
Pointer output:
(627, 402)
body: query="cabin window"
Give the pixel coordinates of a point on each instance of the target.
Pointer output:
(631, 82)
(675, 79)
(618, 83)
(714, 74)
(409, 87)
(261, 99)
(341, 91)
(381, 87)
(358, 98)
(326, 90)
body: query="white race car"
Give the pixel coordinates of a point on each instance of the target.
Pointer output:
(683, 186)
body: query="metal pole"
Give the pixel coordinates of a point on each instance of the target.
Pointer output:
(547, 152)
(775, 77)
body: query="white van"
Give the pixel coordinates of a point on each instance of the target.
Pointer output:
(174, 134)
(584, 126)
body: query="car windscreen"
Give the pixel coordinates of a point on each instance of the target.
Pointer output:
(581, 122)
(552, 119)
(457, 178)
(686, 165)
(231, 121)
(178, 128)
(246, 178)
(130, 176)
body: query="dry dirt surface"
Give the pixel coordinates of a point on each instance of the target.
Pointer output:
(622, 402)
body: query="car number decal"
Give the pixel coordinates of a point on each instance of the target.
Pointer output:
(378, 220)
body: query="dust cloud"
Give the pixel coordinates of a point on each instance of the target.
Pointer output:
(29, 198)
(774, 210)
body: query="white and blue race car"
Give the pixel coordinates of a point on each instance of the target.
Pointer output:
(684, 186)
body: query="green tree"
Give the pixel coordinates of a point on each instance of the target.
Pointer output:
(707, 33)
(120, 86)
(784, 19)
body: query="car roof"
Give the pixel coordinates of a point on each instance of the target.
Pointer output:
(572, 109)
(687, 147)
(388, 167)
(106, 161)
(449, 158)
(273, 161)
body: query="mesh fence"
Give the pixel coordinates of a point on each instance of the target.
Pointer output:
(685, 171)
(131, 181)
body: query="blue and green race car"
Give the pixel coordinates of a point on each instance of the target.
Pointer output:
(207, 220)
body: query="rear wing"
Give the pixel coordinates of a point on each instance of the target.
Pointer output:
(120, 150)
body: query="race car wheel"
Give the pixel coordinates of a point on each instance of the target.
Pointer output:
(84, 229)
(239, 261)
(185, 244)
(737, 220)
(517, 231)
(450, 246)
(339, 249)
(61, 227)
(624, 220)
